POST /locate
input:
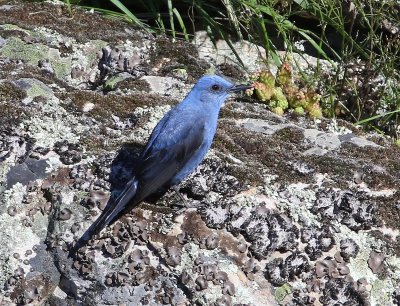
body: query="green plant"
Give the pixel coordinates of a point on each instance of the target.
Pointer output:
(364, 88)
(357, 38)
(282, 93)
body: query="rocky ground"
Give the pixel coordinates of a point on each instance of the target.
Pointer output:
(286, 210)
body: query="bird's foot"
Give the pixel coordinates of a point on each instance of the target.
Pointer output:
(180, 210)
(176, 189)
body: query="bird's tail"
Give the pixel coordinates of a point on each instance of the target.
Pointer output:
(109, 215)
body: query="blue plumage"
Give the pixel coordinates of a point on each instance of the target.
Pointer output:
(175, 148)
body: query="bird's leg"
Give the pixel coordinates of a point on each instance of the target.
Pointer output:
(176, 189)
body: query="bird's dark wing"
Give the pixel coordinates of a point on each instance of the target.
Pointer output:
(170, 148)
(170, 153)
(164, 122)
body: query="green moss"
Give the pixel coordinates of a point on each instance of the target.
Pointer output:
(10, 110)
(232, 71)
(299, 111)
(263, 91)
(12, 30)
(57, 18)
(12, 72)
(282, 291)
(10, 113)
(97, 44)
(95, 143)
(15, 48)
(261, 150)
(180, 55)
(61, 66)
(10, 27)
(133, 84)
(5, 34)
(10, 92)
(278, 110)
(384, 158)
(37, 89)
(281, 93)
(290, 135)
(121, 106)
(112, 82)
(284, 75)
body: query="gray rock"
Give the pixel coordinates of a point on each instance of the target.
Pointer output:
(285, 210)
(29, 171)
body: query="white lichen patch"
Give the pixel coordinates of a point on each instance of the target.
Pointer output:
(195, 251)
(18, 149)
(381, 193)
(55, 124)
(307, 63)
(67, 197)
(35, 88)
(15, 237)
(10, 27)
(52, 37)
(130, 47)
(47, 131)
(387, 231)
(53, 162)
(297, 199)
(166, 86)
(244, 294)
(251, 292)
(333, 127)
(252, 55)
(14, 195)
(84, 57)
(381, 289)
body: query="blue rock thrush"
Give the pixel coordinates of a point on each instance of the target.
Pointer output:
(175, 148)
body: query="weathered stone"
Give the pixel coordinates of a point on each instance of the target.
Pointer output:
(302, 205)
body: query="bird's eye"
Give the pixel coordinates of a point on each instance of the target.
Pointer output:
(215, 87)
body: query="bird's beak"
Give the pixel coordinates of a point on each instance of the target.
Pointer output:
(240, 87)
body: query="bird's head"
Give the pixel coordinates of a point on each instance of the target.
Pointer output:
(215, 89)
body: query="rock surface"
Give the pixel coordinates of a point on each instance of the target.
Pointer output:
(286, 210)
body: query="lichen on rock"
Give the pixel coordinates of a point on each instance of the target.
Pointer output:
(285, 210)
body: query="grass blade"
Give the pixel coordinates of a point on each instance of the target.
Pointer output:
(215, 26)
(181, 23)
(128, 13)
(376, 117)
(171, 18)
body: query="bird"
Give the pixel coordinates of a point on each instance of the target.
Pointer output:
(176, 146)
